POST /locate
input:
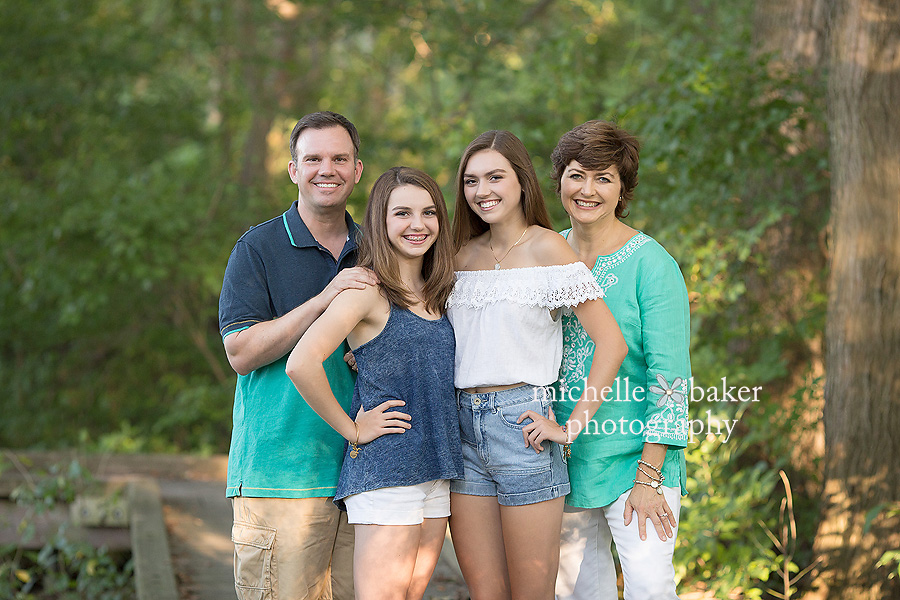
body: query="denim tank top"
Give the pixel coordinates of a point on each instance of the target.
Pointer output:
(411, 360)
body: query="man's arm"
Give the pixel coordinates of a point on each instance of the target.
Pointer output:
(266, 342)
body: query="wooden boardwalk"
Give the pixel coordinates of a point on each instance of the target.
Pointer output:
(197, 520)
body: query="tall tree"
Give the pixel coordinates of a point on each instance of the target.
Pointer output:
(862, 392)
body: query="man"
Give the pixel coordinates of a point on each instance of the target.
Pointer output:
(284, 460)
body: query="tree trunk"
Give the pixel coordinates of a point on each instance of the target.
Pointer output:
(792, 28)
(862, 391)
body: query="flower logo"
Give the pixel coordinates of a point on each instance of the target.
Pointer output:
(667, 391)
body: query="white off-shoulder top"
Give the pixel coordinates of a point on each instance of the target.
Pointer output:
(505, 332)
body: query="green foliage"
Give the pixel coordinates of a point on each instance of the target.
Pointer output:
(59, 485)
(734, 185)
(135, 149)
(891, 558)
(138, 140)
(733, 503)
(104, 176)
(61, 569)
(718, 541)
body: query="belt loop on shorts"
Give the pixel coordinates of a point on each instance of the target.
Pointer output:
(458, 404)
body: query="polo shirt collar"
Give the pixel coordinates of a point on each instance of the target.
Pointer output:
(298, 232)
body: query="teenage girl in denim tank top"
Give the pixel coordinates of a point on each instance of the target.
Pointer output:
(514, 275)
(395, 479)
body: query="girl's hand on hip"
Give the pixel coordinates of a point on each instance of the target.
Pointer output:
(540, 429)
(379, 421)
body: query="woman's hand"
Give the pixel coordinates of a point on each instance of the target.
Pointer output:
(541, 428)
(378, 421)
(648, 504)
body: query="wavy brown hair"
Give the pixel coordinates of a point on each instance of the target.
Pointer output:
(597, 145)
(466, 224)
(376, 252)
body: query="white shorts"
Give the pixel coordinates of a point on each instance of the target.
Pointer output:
(406, 505)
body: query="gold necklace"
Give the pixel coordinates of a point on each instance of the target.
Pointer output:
(500, 260)
(418, 297)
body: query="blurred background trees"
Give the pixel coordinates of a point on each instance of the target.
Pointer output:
(138, 140)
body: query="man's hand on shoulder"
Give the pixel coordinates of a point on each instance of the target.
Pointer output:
(266, 342)
(354, 278)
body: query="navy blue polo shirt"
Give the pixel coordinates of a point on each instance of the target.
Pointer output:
(280, 448)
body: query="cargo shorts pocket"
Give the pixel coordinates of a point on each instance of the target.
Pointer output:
(253, 546)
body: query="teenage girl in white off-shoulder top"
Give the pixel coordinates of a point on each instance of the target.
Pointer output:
(514, 275)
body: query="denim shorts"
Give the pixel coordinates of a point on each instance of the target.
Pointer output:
(495, 459)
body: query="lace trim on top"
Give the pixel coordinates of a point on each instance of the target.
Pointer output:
(552, 287)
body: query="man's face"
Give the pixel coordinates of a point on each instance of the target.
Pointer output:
(325, 171)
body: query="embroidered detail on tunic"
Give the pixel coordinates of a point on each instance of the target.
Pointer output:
(577, 346)
(577, 349)
(671, 423)
(667, 391)
(605, 264)
(608, 282)
(551, 287)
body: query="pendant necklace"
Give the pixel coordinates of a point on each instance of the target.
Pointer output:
(499, 260)
(410, 290)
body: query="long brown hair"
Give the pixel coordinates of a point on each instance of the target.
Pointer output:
(466, 224)
(376, 252)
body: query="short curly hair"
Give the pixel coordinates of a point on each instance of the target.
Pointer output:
(598, 145)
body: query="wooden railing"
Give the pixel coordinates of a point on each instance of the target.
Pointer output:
(127, 483)
(154, 578)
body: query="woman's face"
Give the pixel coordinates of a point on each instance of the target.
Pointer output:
(491, 187)
(412, 221)
(590, 196)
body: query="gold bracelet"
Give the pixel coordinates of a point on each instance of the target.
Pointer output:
(354, 446)
(567, 447)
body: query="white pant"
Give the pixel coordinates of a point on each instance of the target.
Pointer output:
(586, 567)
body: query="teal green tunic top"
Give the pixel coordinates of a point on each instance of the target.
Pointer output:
(648, 402)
